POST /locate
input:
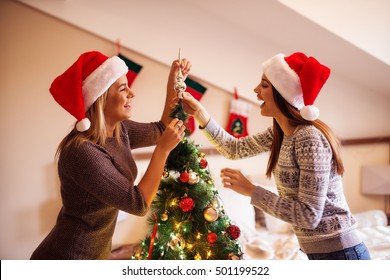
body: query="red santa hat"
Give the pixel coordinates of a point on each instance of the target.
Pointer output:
(298, 79)
(83, 82)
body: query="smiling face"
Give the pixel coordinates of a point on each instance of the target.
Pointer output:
(118, 103)
(265, 94)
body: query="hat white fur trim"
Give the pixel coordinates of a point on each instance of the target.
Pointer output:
(284, 79)
(101, 79)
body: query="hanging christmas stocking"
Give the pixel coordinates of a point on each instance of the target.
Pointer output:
(197, 91)
(239, 111)
(134, 69)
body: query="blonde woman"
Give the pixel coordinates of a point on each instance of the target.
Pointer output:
(95, 163)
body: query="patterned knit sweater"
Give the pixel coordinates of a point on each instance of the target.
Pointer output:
(310, 191)
(97, 181)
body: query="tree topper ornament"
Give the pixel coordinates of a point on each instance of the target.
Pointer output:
(180, 85)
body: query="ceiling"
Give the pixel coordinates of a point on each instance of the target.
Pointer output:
(227, 40)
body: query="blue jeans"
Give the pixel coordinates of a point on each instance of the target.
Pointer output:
(358, 252)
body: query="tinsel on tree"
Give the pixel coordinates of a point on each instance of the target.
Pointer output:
(187, 217)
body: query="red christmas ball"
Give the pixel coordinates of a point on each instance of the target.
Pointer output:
(212, 237)
(186, 204)
(203, 163)
(184, 177)
(234, 231)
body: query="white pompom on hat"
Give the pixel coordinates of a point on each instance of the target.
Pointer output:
(84, 81)
(299, 79)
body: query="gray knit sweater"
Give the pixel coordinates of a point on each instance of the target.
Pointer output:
(310, 191)
(97, 181)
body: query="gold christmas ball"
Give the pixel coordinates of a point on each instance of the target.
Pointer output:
(194, 178)
(210, 214)
(176, 242)
(164, 216)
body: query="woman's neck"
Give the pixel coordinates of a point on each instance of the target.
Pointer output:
(285, 125)
(110, 130)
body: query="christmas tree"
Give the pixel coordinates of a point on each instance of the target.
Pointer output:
(187, 216)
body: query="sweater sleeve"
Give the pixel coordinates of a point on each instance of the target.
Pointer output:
(237, 148)
(89, 170)
(143, 134)
(302, 192)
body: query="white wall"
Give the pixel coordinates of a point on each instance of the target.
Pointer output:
(229, 39)
(37, 47)
(368, 33)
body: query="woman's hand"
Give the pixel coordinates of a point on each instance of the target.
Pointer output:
(235, 180)
(172, 135)
(185, 66)
(194, 108)
(190, 105)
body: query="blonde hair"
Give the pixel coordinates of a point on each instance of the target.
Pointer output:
(296, 119)
(96, 134)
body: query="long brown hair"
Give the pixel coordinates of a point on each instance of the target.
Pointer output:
(96, 134)
(296, 119)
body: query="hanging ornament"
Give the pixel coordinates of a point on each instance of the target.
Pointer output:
(186, 204)
(180, 85)
(164, 216)
(203, 163)
(201, 155)
(234, 231)
(166, 173)
(193, 178)
(184, 177)
(210, 214)
(212, 237)
(217, 203)
(176, 242)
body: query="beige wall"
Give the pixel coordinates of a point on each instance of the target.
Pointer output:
(36, 48)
